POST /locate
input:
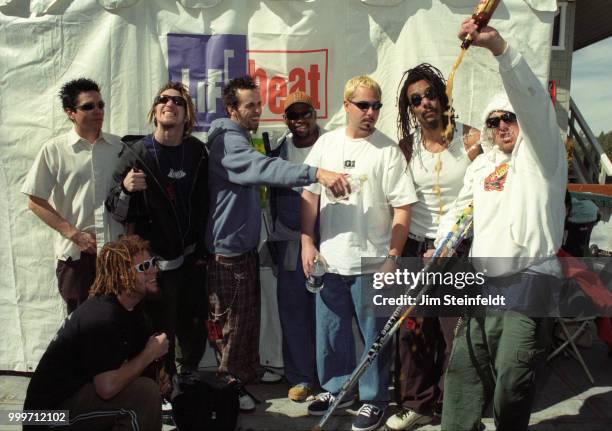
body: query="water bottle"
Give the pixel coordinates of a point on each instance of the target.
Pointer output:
(354, 181)
(314, 283)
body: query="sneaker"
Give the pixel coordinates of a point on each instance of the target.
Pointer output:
(406, 419)
(245, 401)
(320, 405)
(166, 407)
(270, 377)
(369, 417)
(299, 392)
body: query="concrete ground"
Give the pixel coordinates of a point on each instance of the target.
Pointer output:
(565, 400)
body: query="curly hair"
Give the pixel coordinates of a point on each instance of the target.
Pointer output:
(405, 119)
(70, 91)
(230, 91)
(115, 272)
(190, 116)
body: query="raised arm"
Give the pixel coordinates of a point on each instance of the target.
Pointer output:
(530, 100)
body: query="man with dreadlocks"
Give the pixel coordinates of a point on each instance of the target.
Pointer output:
(93, 365)
(438, 167)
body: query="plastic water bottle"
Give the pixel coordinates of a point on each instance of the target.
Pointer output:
(314, 283)
(354, 181)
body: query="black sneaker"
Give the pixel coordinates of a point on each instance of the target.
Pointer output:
(369, 417)
(319, 406)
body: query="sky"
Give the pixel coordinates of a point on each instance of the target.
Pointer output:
(591, 86)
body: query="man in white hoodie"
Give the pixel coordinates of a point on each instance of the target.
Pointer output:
(517, 187)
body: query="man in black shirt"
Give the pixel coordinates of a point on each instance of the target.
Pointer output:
(161, 190)
(93, 365)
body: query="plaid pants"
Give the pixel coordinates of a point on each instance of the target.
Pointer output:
(235, 305)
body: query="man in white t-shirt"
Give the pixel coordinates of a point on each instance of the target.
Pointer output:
(296, 306)
(372, 221)
(438, 164)
(67, 186)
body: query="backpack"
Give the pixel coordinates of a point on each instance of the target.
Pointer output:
(203, 401)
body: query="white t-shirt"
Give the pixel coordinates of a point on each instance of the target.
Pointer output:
(426, 213)
(77, 176)
(295, 154)
(361, 225)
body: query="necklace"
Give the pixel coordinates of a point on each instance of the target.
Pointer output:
(173, 174)
(436, 189)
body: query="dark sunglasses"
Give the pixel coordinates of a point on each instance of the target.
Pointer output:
(416, 99)
(493, 122)
(364, 106)
(177, 100)
(145, 265)
(292, 115)
(90, 106)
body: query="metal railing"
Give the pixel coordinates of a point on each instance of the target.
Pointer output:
(589, 162)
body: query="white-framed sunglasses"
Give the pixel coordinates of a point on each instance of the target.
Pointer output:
(146, 265)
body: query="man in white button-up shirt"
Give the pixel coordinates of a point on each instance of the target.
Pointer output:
(67, 186)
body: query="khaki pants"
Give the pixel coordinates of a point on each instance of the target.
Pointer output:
(136, 407)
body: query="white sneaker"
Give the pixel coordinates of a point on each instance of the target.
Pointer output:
(166, 407)
(245, 401)
(406, 419)
(270, 377)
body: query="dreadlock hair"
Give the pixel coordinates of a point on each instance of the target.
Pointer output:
(405, 120)
(115, 272)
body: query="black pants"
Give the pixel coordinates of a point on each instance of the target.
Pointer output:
(180, 311)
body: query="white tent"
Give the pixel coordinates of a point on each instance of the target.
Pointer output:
(131, 47)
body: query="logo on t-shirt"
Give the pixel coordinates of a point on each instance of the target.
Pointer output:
(349, 163)
(496, 180)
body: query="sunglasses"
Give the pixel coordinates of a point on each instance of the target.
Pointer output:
(364, 106)
(416, 99)
(145, 265)
(493, 122)
(177, 100)
(292, 115)
(89, 106)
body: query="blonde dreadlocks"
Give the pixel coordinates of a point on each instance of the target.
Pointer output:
(115, 272)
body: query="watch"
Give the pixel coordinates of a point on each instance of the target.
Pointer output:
(392, 257)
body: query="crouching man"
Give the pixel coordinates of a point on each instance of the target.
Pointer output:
(93, 366)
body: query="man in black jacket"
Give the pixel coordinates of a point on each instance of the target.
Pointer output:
(160, 192)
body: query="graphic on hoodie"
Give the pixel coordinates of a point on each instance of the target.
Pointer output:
(496, 180)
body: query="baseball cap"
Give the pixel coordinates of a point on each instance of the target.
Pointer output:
(297, 97)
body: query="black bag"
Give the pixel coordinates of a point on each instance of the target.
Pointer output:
(204, 401)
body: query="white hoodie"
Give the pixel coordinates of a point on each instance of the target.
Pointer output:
(518, 198)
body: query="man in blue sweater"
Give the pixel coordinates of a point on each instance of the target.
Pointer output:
(236, 170)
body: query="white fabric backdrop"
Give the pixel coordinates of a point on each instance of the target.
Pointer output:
(123, 44)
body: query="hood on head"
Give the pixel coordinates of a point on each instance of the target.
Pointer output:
(499, 102)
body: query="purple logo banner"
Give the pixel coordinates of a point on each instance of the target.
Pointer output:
(205, 63)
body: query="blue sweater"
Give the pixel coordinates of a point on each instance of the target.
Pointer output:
(236, 170)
